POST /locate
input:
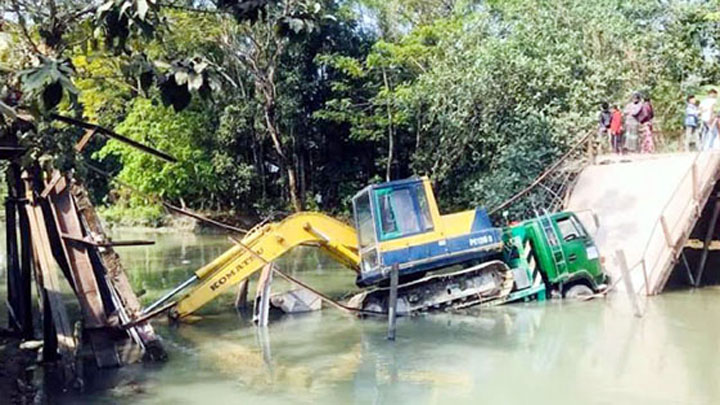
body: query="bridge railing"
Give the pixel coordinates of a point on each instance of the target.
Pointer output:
(550, 190)
(674, 224)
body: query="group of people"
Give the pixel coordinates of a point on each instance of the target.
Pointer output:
(629, 130)
(701, 123)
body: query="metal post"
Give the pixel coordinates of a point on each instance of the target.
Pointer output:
(169, 295)
(645, 278)
(695, 185)
(666, 231)
(632, 295)
(708, 239)
(691, 279)
(392, 302)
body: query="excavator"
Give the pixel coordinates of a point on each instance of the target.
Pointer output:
(442, 261)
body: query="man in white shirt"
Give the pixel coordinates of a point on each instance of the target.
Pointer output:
(707, 108)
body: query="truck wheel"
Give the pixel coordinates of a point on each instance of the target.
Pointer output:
(578, 291)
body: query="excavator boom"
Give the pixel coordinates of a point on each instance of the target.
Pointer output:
(266, 244)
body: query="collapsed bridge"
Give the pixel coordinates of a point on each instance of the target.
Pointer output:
(660, 210)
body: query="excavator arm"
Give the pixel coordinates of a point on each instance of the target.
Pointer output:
(263, 245)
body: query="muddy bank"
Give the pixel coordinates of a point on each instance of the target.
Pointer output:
(17, 367)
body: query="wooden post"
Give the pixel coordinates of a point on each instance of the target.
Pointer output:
(261, 310)
(632, 295)
(241, 298)
(706, 242)
(392, 302)
(25, 252)
(18, 270)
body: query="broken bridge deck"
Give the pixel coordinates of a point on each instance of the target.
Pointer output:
(647, 206)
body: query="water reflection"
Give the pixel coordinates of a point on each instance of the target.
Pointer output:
(559, 352)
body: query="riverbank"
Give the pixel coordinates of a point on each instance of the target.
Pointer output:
(154, 219)
(16, 371)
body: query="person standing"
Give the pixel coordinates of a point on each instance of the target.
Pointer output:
(645, 118)
(631, 112)
(616, 130)
(711, 141)
(707, 114)
(691, 123)
(604, 118)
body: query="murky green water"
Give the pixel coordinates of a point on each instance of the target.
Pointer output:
(557, 352)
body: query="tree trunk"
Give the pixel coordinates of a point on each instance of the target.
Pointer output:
(391, 145)
(293, 189)
(285, 161)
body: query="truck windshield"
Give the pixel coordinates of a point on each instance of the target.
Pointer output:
(364, 220)
(569, 229)
(402, 212)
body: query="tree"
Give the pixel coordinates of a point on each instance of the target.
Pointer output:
(259, 48)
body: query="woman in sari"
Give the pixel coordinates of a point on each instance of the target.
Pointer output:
(645, 118)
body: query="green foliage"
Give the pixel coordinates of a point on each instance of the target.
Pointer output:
(482, 99)
(177, 133)
(480, 96)
(119, 19)
(122, 214)
(48, 81)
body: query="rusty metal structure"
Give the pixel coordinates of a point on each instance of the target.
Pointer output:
(53, 233)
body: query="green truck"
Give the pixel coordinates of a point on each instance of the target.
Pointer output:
(552, 254)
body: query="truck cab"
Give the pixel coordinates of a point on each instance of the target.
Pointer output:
(562, 249)
(398, 224)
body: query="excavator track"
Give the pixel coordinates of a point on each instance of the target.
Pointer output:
(483, 284)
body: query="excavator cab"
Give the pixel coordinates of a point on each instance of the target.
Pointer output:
(389, 211)
(398, 223)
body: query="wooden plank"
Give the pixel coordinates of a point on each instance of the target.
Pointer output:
(84, 140)
(51, 185)
(126, 302)
(77, 256)
(88, 242)
(54, 305)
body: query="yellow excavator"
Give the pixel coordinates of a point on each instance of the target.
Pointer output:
(454, 260)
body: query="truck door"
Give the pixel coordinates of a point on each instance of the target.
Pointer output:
(574, 241)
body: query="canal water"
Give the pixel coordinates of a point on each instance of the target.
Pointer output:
(555, 352)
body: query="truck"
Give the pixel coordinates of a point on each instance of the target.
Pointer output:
(445, 261)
